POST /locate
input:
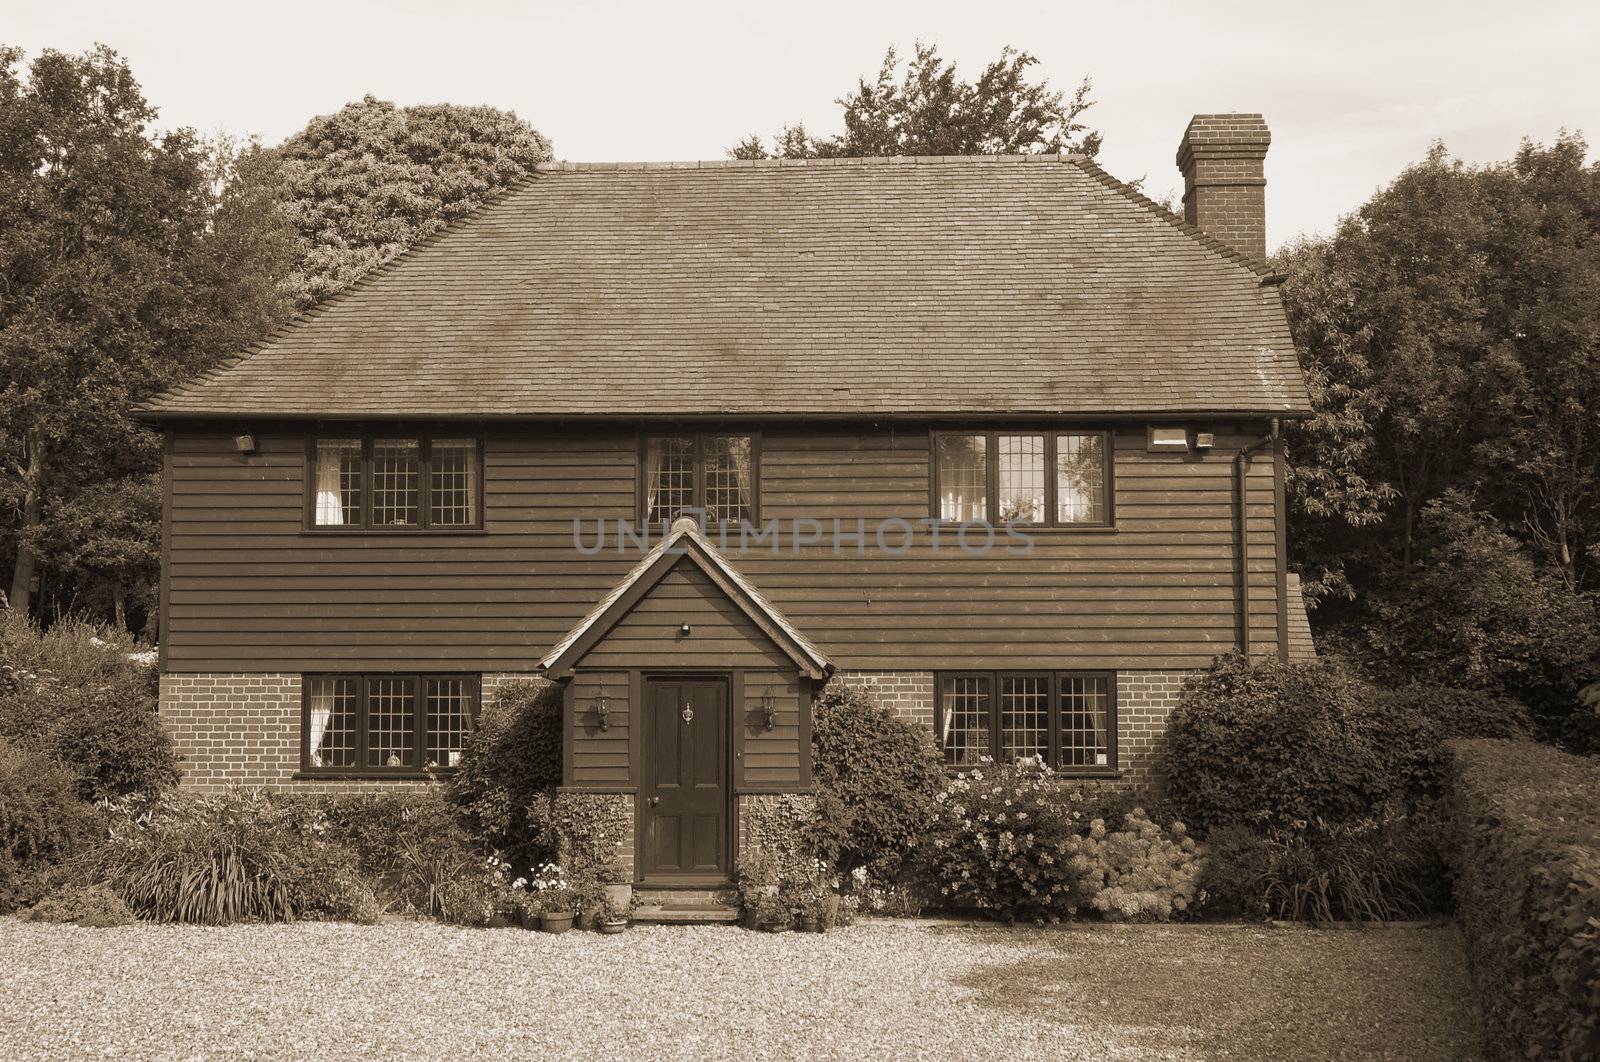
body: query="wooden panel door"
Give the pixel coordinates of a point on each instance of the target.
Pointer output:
(686, 791)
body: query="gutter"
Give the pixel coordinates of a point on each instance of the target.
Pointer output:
(1241, 467)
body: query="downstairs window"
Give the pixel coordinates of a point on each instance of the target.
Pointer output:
(385, 723)
(1066, 718)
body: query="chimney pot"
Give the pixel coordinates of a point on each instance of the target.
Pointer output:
(1222, 158)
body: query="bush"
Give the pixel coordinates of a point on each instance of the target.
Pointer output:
(1139, 873)
(42, 822)
(1002, 843)
(1525, 848)
(239, 857)
(1426, 717)
(73, 693)
(876, 777)
(509, 764)
(92, 906)
(1278, 745)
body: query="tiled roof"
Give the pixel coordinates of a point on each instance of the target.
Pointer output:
(929, 286)
(685, 540)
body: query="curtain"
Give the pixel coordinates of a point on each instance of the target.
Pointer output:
(330, 469)
(321, 713)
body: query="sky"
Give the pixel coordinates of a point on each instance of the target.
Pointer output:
(1353, 91)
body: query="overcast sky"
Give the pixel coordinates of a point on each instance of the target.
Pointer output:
(1352, 91)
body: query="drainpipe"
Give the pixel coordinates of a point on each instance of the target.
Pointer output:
(1241, 466)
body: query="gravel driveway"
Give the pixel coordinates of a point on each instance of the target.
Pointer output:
(882, 990)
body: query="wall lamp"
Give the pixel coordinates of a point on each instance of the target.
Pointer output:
(602, 710)
(769, 714)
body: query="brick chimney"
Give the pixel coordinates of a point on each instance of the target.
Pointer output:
(1224, 186)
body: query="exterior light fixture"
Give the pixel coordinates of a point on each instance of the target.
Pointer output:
(245, 444)
(1204, 440)
(769, 715)
(602, 709)
(1168, 439)
(685, 630)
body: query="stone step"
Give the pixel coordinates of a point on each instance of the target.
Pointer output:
(685, 913)
(704, 897)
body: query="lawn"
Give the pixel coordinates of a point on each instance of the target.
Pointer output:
(879, 990)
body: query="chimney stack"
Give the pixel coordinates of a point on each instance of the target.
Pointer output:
(1224, 184)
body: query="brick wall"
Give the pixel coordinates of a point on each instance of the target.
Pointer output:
(1222, 157)
(1145, 700)
(244, 729)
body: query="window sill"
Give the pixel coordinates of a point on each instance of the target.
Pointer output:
(1027, 529)
(1062, 774)
(372, 776)
(400, 532)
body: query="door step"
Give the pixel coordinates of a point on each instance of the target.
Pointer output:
(685, 905)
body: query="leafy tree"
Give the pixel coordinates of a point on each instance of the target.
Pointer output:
(367, 182)
(1442, 499)
(122, 270)
(930, 111)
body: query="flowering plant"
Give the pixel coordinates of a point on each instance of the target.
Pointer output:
(551, 888)
(1139, 872)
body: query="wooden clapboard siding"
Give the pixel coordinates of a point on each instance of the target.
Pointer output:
(600, 757)
(250, 590)
(771, 758)
(720, 635)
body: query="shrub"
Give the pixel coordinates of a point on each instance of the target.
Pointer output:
(876, 777)
(73, 693)
(92, 906)
(1426, 717)
(42, 822)
(1002, 843)
(509, 764)
(238, 857)
(1139, 872)
(1525, 848)
(1275, 745)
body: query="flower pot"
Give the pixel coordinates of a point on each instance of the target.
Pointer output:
(614, 927)
(555, 921)
(620, 894)
(528, 919)
(809, 924)
(499, 921)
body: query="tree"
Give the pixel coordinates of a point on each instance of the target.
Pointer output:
(122, 271)
(930, 111)
(365, 183)
(1450, 330)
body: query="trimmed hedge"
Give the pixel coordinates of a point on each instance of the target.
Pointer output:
(1525, 848)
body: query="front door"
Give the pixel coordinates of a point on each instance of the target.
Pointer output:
(685, 796)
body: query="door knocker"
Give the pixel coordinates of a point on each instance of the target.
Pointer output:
(688, 715)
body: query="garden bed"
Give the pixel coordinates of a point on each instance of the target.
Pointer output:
(935, 989)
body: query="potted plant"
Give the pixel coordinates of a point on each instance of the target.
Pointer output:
(769, 912)
(555, 899)
(524, 904)
(613, 917)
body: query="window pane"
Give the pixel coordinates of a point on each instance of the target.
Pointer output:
(1084, 708)
(966, 720)
(332, 740)
(728, 489)
(1025, 716)
(338, 482)
(449, 719)
(391, 720)
(963, 471)
(453, 469)
(1021, 460)
(669, 477)
(1081, 479)
(394, 483)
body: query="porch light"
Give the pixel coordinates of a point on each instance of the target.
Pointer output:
(602, 709)
(769, 715)
(245, 444)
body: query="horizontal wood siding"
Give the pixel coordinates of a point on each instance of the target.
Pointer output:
(249, 590)
(600, 757)
(720, 635)
(771, 757)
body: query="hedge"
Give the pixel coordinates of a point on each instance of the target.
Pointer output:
(1525, 849)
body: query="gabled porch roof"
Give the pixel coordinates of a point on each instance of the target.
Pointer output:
(684, 541)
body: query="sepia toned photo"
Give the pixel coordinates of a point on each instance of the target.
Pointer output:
(600, 530)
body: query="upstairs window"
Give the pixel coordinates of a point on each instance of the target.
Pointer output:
(1066, 719)
(395, 483)
(715, 474)
(1046, 479)
(386, 724)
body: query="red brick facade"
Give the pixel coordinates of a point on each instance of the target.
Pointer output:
(1222, 157)
(1145, 700)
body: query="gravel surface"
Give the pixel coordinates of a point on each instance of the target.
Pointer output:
(881, 990)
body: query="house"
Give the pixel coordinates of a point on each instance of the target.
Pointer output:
(996, 437)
